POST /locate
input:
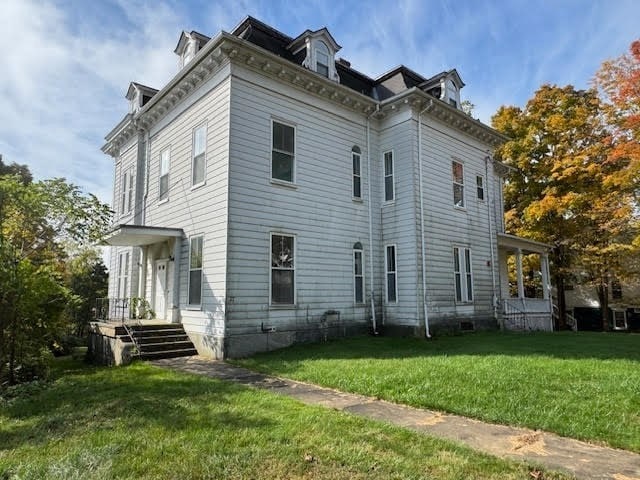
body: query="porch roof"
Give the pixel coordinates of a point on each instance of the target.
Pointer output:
(513, 242)
(139, 235)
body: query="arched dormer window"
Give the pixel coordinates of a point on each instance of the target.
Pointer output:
(322, 59)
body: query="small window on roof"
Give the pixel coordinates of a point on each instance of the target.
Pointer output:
(322, 59)
(451, 93)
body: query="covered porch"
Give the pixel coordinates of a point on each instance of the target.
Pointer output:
(156, 295)
(525, 286)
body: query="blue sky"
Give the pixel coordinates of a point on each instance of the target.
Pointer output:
(66, 65)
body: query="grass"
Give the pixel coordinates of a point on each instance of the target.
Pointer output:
(149, 423)
(585, 386)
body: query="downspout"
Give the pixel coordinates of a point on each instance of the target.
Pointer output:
(491, 239)
(427, 333)
(372, 283)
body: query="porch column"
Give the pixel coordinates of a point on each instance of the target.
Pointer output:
(175, 301)
(142, 278)
(503, 260)
(546, 285)
(519, 273)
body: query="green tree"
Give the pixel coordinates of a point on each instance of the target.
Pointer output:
(36, 220)
(559, 192)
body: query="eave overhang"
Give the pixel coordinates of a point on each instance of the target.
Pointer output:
(512, 242)
(138, 235)
(436, 108)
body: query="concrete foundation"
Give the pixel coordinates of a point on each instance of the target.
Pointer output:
(106, 346)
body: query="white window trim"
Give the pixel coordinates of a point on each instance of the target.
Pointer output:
(295, 282)
(278, 181)
(127, 200)
(195, 306)
(160, 175)
(354, 176)
(193, 151)
(387, 272)
(124, 259)
(318, 47)
(484, 188)
(364, 296)
(393, 177)
(453, 183)
(467, 297)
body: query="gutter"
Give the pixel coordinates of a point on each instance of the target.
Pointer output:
(427, 333)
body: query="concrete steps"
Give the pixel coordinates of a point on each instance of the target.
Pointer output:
(156, 341)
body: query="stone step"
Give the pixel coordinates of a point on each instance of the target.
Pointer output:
(166, 346)
(162, 339)
(155, 326)
(158, 333)
(168, 354)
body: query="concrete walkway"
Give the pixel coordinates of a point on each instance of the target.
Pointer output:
(581, 459)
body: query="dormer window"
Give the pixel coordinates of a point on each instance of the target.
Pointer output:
(322, 59)
(189, 44)
(138, 96)
(451, 94)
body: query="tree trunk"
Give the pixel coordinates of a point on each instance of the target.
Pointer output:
(603, 296)
(562, 303)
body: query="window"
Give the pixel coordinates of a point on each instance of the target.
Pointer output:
(322, 59)
(282, 269)
(458, 184)
(462, 274)
(195, 271)
(391, 273)
(388, 177)
(282, 152)
(123, 275)
(126, 204)
(358, 274)
(452, 93)
(165, 158)
(198, 165)
(355, 160)
(480, 187)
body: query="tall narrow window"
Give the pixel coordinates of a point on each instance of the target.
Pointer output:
(195, 271)
(123, 275)
(355, 160)
(391, 273)
(462, 274)
(388, 177)
(165, 159)
(458, 183)
(322, 59)
(282, 269)
(358, 274)
(480, 186)
(199, 162)
(282, 152)
(126, 204)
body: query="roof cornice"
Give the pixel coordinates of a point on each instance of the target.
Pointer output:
(422, 101)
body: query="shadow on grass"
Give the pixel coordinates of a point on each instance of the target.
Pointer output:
(559, 345)
(86, 398)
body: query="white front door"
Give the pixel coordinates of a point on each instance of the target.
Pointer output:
(160, 289)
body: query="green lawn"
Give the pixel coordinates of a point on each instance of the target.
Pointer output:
(146, 422)
(584, 385)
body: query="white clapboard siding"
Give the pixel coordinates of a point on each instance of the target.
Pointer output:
(447, 226)
(200, 210)
(319, 211)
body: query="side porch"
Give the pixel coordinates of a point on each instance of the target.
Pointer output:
(525, 286)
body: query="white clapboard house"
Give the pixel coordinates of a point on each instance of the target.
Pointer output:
(271, 194)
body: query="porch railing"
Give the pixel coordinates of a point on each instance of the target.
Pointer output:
(527, 314)
(120, 310)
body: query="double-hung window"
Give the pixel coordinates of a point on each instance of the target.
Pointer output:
(457, 170)
(126, 203)
(357, 180)
(163, 187)
(480, 186)
(391, 276)
(322, 59)
(463, 274)
(195, 271)
(358, 275)
(282, 269)
(199, 160)
(389, 194)
(282, 152)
